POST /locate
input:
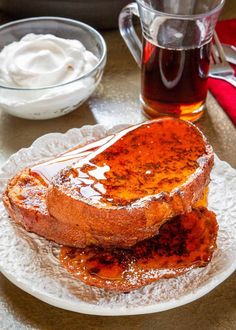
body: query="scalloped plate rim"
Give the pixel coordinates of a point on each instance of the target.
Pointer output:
(92, 309)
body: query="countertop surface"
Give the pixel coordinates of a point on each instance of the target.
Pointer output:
(117, 101)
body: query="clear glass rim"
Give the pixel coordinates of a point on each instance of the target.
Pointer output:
(62, 19)
(183, 16)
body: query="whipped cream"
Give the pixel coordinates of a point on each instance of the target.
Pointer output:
(43, 64)
(44, 60)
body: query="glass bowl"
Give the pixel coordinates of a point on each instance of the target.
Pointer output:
(53, 101)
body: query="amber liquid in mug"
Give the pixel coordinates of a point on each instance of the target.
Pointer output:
(174, 81)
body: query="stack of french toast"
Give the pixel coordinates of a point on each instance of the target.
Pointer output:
(129, 209)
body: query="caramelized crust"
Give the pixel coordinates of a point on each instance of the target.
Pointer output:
(185, 242)
(122, 192)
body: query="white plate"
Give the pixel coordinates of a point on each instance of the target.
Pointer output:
(31, 263)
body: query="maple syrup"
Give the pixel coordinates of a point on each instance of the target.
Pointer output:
(48, 169)
(150, 159)
(184, 242)
(174, 81)
(203, 201)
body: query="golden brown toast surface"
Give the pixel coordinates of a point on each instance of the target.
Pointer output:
(153, 158)
(185, 242)
(126, 189)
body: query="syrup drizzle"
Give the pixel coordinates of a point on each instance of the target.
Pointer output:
(140, 161)
(48, 169)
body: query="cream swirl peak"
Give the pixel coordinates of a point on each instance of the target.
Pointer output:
(38, 61)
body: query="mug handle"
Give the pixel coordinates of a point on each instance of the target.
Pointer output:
(128, 33)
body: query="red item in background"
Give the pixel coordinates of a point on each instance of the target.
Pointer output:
(223, 91)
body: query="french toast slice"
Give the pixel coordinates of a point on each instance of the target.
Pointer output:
(122, 192)
(183, 243)
(25, 198)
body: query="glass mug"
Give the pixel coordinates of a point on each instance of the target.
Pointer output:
(174, 56)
